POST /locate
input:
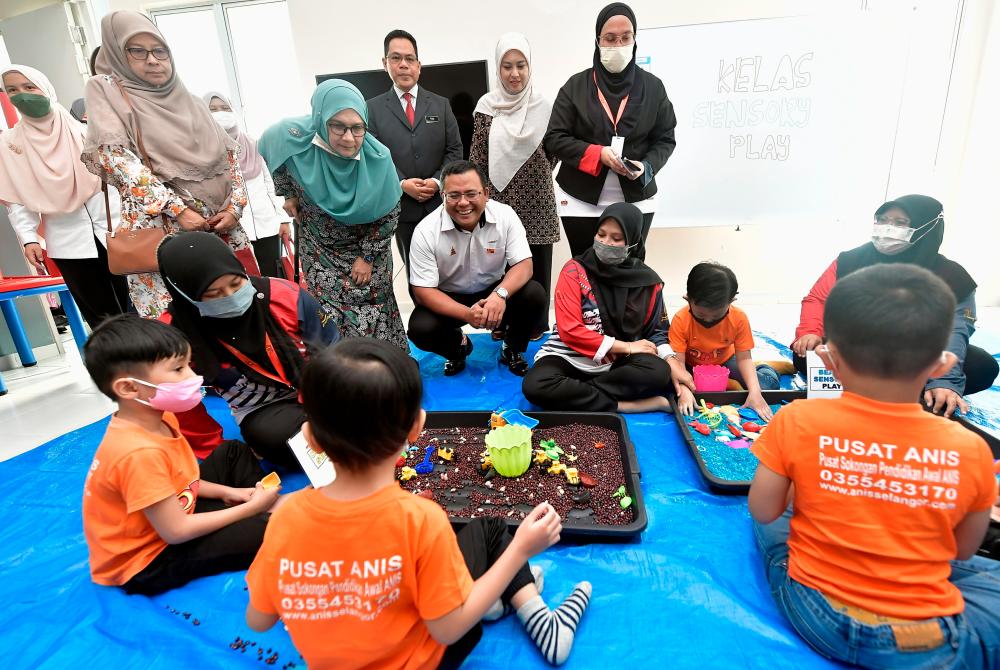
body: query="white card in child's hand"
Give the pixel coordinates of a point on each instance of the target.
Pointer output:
(820, 382)
(318, 467)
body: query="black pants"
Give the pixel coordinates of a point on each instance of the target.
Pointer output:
(228, 549)
(541, 261)
(268, 253)
(555, 384)
(98, 293)
(442, 335)
(404, 235)
(580, 231)
(979, 367)
(268, 429)
(481, 543)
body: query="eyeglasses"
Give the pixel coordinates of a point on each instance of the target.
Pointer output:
(138, 53)
(612, 40)
(468, 195)
(892, 221)
(396, 59)
(339, 129)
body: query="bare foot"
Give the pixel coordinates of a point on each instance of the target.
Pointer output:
(657, 403)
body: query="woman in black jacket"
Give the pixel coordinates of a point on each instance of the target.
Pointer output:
(612, 126)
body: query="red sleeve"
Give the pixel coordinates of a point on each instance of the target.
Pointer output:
(569, 312)
(591, 161)
(811, 317)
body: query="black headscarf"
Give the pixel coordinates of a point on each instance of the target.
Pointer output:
(189, 263)
(623, 291)
(922, 210)
(616, 86)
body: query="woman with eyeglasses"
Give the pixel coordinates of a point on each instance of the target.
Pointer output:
(341, 185)
(43, 181)
(157, 144)
(510, 122)
(909, 229)
(612, 127)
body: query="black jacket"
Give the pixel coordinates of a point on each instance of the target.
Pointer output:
(575, 126)
(420, 151)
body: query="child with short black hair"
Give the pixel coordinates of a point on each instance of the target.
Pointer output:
(153, 518)
(365, 574)
(884, 495)
(711, 331)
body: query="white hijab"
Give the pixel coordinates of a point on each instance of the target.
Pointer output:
(519, 119)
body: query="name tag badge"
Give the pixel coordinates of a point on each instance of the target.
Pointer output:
(432, 118)
(618, 145)
(491, 250)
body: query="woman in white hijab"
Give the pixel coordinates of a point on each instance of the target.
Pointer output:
(264, 218)
(510, 123)
(42, 180)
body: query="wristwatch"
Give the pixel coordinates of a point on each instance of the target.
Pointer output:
(502, 292)
(368, 258)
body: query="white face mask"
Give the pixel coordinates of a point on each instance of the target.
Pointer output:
(227, 120)
(891, 240)
(616, 59)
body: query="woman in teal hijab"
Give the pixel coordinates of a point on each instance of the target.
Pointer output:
(341, 185)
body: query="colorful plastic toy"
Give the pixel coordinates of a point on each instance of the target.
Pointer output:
(625, 501)
(407, 473)
(541, 458)
(425, 467)
(700, 427)
(598, 445)
(735, 430)
(572, 476)
(517, 417)
(552, 450)
(738, 444)
(496, 421)
(272, 481)
(509, 448)
(446, 453)
(751, 427)
(557, 468)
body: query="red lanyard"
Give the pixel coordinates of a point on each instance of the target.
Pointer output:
(607, 108)
(272, 356)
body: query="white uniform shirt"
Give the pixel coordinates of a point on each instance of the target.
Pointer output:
(68, 235)
(263, 213)
(446, 257)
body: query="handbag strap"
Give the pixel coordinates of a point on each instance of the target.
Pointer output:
(107, 206)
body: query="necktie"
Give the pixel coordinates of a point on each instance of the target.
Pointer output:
(410, 115)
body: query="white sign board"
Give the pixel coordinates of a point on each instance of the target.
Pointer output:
(781, 120)
(318, 467)
(820, 382)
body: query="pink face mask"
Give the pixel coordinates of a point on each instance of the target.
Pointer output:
(174, 396)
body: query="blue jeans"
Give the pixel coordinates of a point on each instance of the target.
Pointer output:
(971, 639)
(767, 377)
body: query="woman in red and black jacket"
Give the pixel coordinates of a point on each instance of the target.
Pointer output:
(250, 337)
(610, 351)
(613, 99)
(910, 229)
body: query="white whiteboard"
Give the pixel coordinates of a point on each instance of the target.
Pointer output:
(782, 120)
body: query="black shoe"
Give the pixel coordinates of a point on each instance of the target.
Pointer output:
(455, 365)
(514, 361)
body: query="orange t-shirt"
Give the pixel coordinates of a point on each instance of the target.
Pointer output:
(132, 470)
(879, 489)
(710, 346)
(353, 581)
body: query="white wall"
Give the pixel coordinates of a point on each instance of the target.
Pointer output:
(773, 263)
(40, 38)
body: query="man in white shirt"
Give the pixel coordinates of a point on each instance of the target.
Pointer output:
(470, 263)
(420, 131)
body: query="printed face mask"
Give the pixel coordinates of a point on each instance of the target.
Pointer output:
(31, 104)
(616, 59)
(610, 255)
(227, 120)
(174, 396)
(891, 240)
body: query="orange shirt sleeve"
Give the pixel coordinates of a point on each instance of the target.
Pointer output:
(744, 336)
(679, 327)
(259, 576)
(145, 478)
(768, 447)
(443, 580)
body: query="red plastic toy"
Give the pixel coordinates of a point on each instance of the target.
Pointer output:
(700, 427)
(751, 427)
(734, 430)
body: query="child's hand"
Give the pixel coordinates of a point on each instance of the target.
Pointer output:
(234, 496)
(685, 401)
(756, 402)
(261, 500)
(539, 531)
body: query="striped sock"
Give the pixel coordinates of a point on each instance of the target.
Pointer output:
(553, 631)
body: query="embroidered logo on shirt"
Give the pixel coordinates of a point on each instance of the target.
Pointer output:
(491, 250)
(453, 252)
(189, 496)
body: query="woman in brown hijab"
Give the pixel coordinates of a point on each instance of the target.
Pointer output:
(193, 176)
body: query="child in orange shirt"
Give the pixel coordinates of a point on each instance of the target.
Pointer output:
(710, 331)
(885, 495)
(367, 575)
(153, 518)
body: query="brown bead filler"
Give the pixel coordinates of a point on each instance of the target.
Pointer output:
(462, 488)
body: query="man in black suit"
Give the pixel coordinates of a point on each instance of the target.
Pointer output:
(420, 130)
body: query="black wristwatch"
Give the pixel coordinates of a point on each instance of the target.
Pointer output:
(368, 258)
